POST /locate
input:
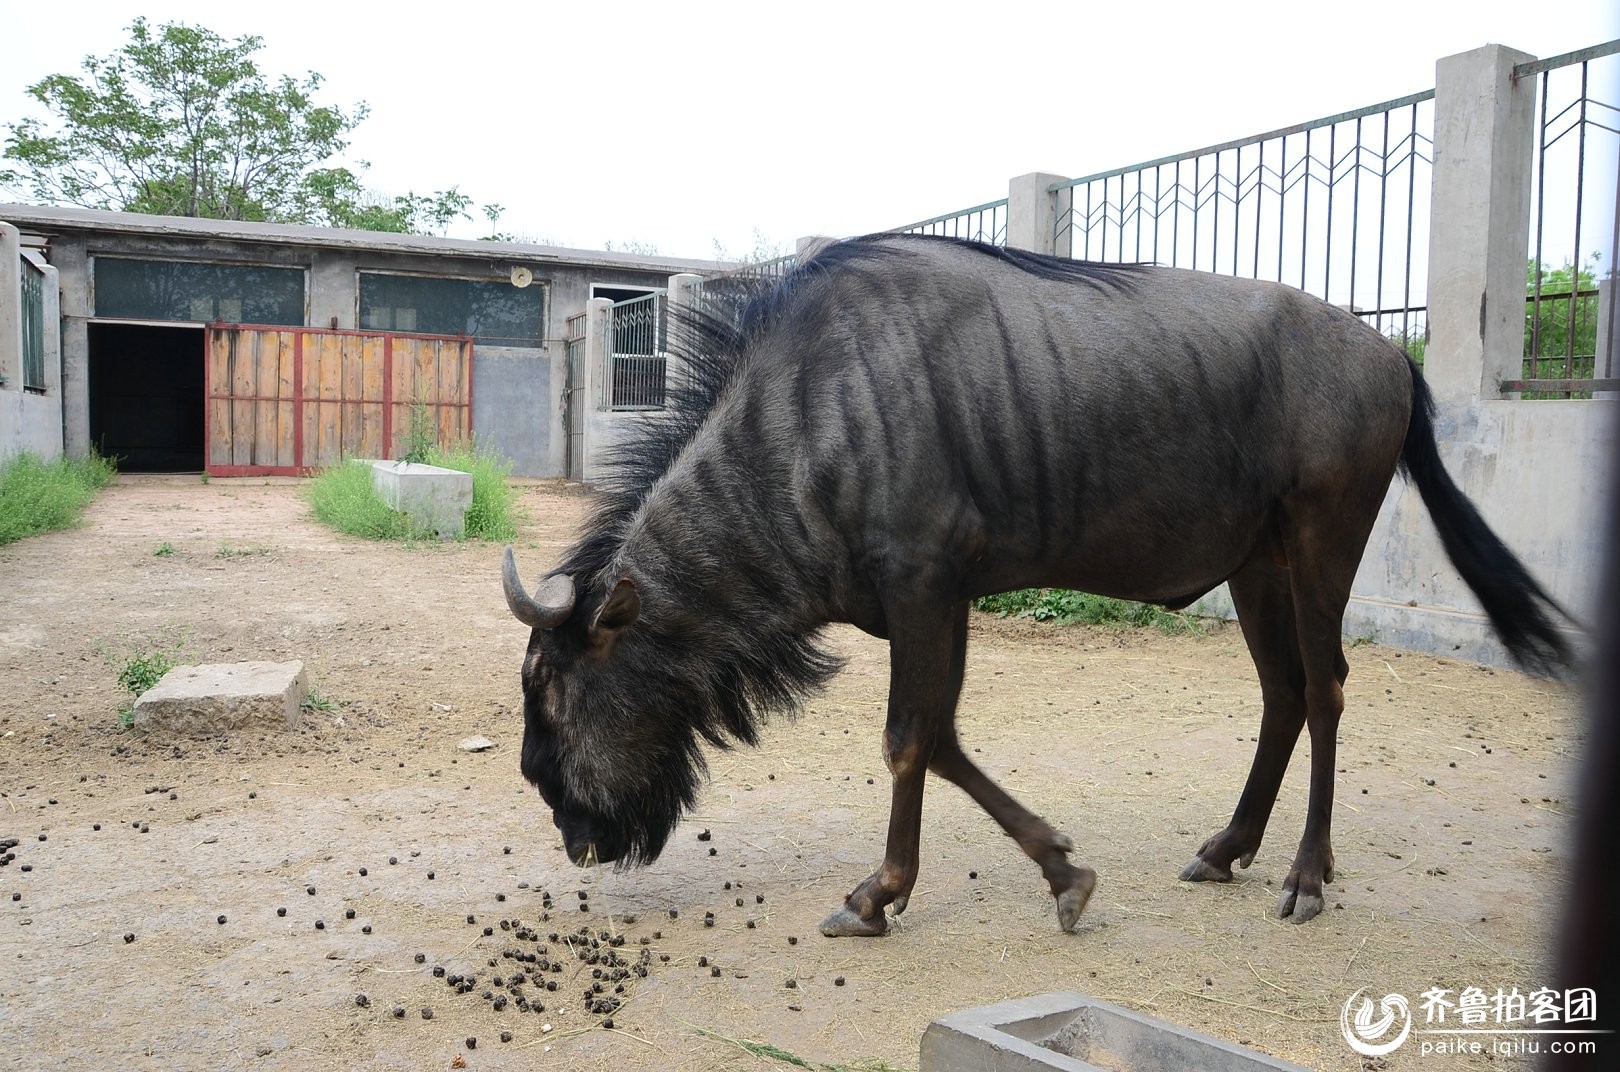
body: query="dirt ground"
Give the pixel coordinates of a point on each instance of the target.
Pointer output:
(1450, 825)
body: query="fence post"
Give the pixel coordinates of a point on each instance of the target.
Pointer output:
(1483, 133)
(1033, 213)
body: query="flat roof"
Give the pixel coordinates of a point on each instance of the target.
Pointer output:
(51, 220)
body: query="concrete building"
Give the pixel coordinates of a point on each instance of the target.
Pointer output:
(178, 350)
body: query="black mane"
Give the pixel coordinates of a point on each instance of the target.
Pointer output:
(710, 342)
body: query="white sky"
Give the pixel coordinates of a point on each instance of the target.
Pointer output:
(683, 124)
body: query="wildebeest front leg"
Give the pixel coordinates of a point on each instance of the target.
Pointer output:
(920, 696)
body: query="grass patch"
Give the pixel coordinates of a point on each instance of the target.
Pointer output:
(164, 550)
(493, 514)
(38, 496)
(346, 498)
(1065, 607)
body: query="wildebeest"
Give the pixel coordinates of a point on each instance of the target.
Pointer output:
(903, 425)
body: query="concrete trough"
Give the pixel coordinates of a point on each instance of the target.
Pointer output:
(1073, 1033)
(433, 498)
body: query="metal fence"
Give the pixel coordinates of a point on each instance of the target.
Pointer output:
(638, 352)
(981, 223)
(1574, 222)
(1338, 207)
(33, 327)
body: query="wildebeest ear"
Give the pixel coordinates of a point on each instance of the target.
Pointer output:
(617, 613)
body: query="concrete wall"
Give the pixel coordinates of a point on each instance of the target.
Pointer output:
(517, 391)
(30, 422)
(1537, 470)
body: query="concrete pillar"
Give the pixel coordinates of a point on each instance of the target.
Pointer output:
(10, 312)
(598, 368)
(683, 299)
(809, 245)
(50, 434)
(1034, 212)
(596, 372)
(1479, 220)
(71, 258)
(1607, 364)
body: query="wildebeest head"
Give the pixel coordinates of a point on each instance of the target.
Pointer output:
(613, 765)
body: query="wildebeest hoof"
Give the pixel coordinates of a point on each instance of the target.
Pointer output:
(1072, 901)
(846, 924)
(1201, 870)
(1298, 907)
(899, 905)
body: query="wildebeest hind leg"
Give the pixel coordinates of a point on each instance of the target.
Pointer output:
(1265, 607)
(1325, 556)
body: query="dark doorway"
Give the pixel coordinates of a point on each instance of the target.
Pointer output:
(146, 396)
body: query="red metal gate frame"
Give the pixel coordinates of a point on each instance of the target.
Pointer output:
(298, 468)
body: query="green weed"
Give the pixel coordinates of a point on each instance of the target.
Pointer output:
(38, 496)
(227, 551)
(422, 437)
(164, 550)
(787, 1057)
(1063, 606)
(140, 667)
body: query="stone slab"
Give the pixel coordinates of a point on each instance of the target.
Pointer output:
(432, 497)
(1068, 1032)
(216, 698)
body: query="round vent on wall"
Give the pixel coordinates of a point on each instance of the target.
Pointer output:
(521, 277)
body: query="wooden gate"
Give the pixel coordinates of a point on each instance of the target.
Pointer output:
(284, 401)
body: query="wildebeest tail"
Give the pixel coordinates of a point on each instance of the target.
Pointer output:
(1523, 614)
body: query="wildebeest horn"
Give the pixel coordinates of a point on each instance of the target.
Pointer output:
(548, 608)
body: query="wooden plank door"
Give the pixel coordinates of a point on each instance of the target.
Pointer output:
(285, 401)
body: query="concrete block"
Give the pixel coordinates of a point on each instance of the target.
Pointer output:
(433, 498)
(1074, 1033)
(218, 697)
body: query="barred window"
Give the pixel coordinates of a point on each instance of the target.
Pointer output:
(493, 313)
(33, 327)
(133, 289)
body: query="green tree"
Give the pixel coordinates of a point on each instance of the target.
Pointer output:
(1568, 295)
(1563, 323)
(181, 121)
